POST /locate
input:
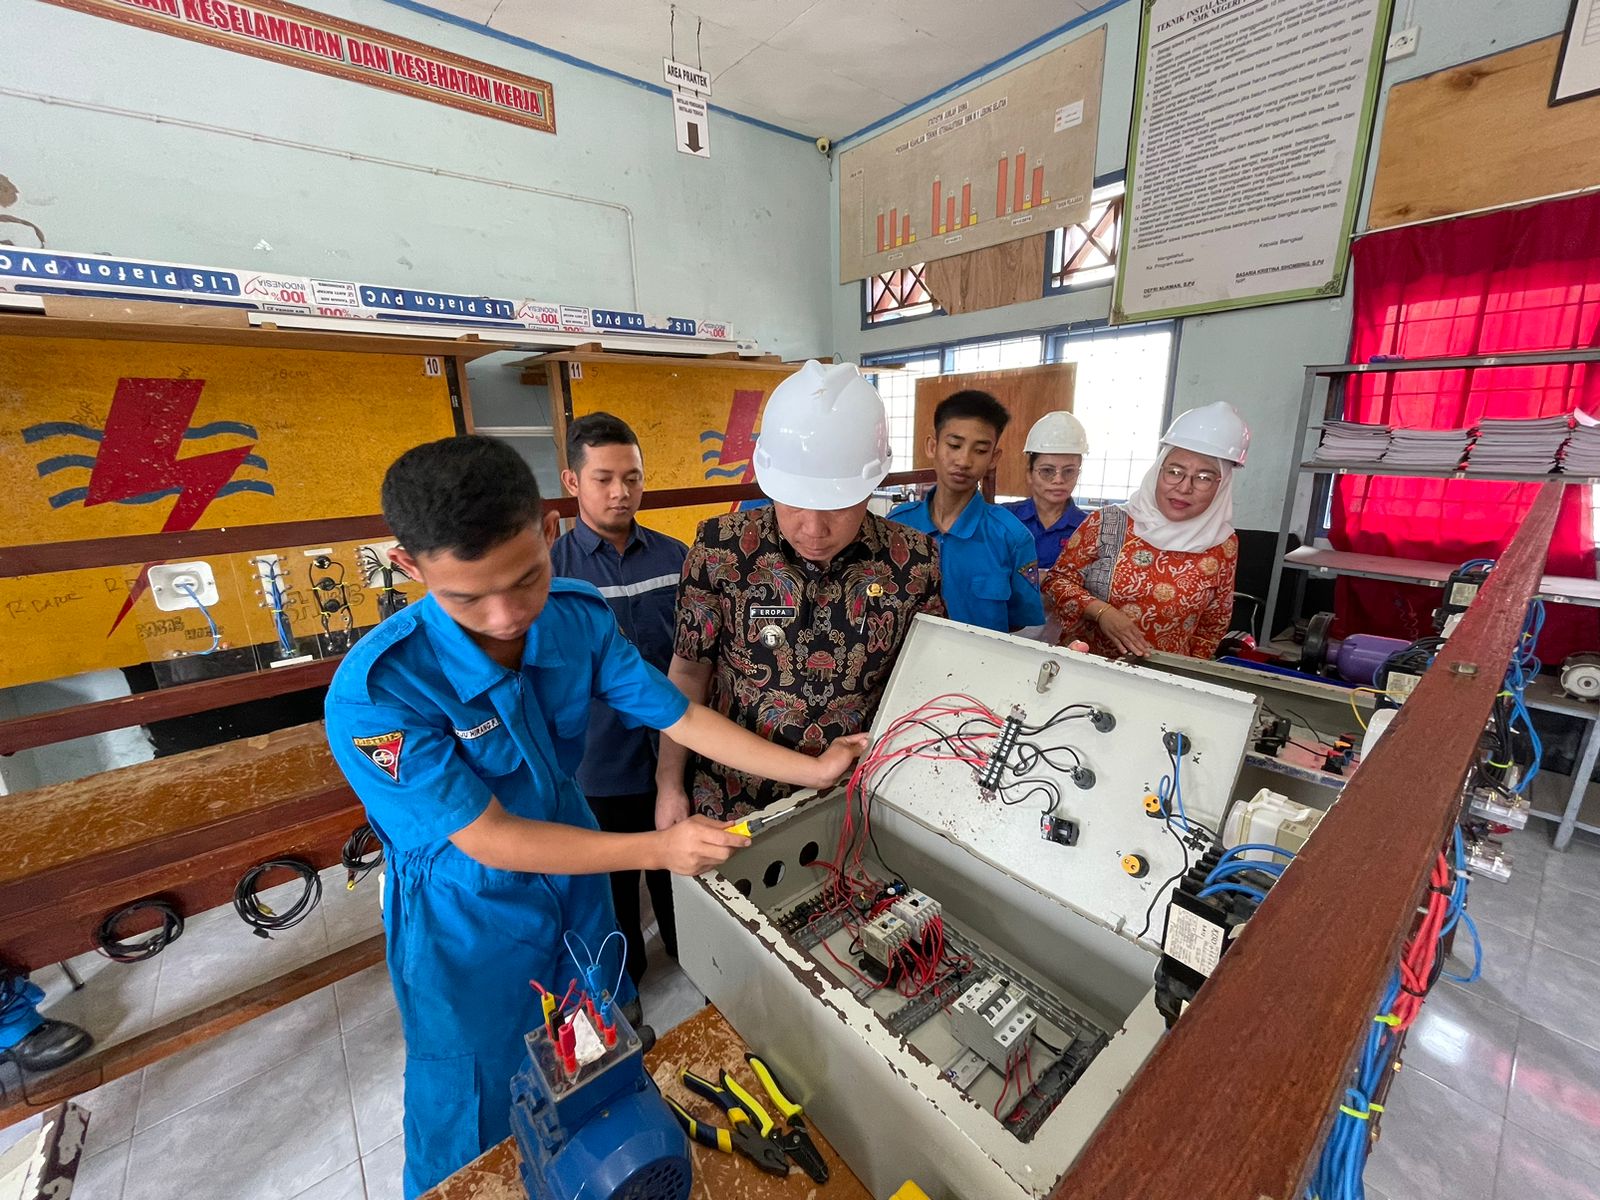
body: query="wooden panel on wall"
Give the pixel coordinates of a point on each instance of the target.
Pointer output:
(114, 438)
(1027, 393)
(1010, 273)
(1482, 135)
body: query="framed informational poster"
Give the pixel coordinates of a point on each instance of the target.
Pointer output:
(1578, 68)
(1246, 152)
(1026, 140)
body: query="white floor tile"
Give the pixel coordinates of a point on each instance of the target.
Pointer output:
(364, 995)
(350, 916)
(184, 1080)
(100, 1176)
(346, 1183)
(220, 956)
(273, 1136)
(376, 1053)
(116, 1002)
(112, 1108)
(384, 1169)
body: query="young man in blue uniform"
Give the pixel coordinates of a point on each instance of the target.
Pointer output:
(459, 722)
(636, 570)
(987, 558)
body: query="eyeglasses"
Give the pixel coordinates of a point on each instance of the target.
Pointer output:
(1050, 474)
(1203, 481)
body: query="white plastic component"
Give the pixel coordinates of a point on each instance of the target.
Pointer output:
(1487, 859)
(1501, 809)
(1382, 718)
(881, 938)
(369, 573)
(994, 1018)
(169, 581)
(916, 910)
(1400, 685)
(1403, 43)
(1580, 676)
(1269, 819)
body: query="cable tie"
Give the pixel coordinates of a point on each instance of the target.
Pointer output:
(1387, 1019)
(1350, 1112)
(1374, 1108)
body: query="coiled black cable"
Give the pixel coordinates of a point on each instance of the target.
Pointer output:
(264, 920)
(138, 949)
(362, 854)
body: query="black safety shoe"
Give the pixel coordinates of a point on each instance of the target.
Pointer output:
(53, 1044)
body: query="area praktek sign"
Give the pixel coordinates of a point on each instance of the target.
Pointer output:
(298, 37)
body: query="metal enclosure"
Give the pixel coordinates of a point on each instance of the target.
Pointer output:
(1063, 922)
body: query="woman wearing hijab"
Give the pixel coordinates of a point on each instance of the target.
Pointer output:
(1157, 572)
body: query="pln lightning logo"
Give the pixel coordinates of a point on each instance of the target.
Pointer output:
(730, 453)
(138, 461)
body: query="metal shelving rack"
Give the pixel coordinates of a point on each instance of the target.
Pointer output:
(1324, 562)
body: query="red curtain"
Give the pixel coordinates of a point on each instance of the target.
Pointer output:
(1522, 279)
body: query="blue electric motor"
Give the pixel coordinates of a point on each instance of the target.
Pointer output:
(605, 1133)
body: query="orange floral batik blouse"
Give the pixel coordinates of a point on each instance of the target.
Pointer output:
(1182, 602)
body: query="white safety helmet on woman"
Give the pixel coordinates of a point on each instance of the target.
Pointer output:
(824, 440)
(1057, 433)
(1216, 430)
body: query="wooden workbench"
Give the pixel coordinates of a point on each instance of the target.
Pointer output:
(704, 1044)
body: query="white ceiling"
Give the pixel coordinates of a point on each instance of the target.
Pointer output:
(819, 67)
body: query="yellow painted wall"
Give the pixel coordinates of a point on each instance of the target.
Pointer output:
(321, 428)
(693, 425)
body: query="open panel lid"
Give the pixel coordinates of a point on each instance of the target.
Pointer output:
(1128, 763)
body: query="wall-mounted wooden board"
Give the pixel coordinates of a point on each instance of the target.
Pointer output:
(1009, 273)
(1482, 135)
(1027, 393)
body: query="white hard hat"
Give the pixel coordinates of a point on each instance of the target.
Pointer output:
(1214, 429)
(824, 440)
(1057, 433)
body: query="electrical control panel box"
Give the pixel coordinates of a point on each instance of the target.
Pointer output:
(1022, 1004)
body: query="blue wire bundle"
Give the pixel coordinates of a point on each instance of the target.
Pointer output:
(216, 635)
(1344, 1155)
(589, 971)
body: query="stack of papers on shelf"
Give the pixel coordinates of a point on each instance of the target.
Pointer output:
(1427, 449)
(1352, 442)
(1583, 451)
(1526, 445)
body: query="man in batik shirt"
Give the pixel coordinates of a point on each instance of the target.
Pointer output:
(790, 616)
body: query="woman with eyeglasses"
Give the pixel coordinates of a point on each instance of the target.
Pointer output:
(1055, 448)
(1156, 573)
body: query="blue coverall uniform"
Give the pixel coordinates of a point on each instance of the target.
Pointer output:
(427, 728)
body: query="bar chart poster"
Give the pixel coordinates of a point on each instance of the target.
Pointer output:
(1006, 160)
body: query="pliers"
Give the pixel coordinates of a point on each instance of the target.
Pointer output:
(796, 1142)
(742, 1133)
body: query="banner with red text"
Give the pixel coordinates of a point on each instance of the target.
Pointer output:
(298, 37)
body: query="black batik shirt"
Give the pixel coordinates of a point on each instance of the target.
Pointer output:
(799, 653)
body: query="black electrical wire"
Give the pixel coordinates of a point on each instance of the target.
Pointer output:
(362, 854)
(1060, 715)
(263, 919)
(138, 949)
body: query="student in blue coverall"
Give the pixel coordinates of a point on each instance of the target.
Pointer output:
(459, 722)
(989, 565)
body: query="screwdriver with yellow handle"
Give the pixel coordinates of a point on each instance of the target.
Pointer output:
(756, 822)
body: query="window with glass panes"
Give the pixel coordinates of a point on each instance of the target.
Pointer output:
(1120, 394)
